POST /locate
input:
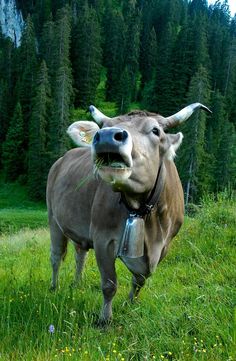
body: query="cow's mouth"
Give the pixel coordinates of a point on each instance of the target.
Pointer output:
(112, 160)
(113, 168)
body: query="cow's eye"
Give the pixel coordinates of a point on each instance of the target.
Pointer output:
(156, 131)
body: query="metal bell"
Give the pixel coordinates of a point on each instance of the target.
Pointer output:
(132, 243)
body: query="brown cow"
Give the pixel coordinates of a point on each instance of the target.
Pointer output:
(120, 194)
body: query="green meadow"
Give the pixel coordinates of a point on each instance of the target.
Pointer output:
(186, 311)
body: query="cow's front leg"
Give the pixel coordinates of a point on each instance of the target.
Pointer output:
(140, 269)
(106, 263)
(138, 282)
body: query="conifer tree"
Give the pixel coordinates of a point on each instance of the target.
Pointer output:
(61, 87)
(27, 66)
(132, 44)
(37, 156)
(148, 55)
(124, 92)
(163, 80)
(192, 157)
(86, 56)
(43, 9)
(48, 46)
(7, 83)
(12, 152)
(225, 168)
(113, 50)
(219, 46)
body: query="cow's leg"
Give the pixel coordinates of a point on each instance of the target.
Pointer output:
(58, 251)
(140, 269)
(80, 258)
(138, 282)
(106, 263)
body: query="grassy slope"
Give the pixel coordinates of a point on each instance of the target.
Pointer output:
(186, 310)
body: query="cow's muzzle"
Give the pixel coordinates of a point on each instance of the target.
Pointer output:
(112, 149)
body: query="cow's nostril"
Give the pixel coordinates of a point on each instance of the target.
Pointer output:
(121, 136)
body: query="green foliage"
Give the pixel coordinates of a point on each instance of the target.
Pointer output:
(117, 54)
(86, 56)
(114, 39)
(61, 88)
(12, 155)
(27, 66)
(185, 312)
(124, 93)
(192, 155)
(37, 155)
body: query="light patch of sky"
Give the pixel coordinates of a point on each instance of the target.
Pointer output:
(232, 5)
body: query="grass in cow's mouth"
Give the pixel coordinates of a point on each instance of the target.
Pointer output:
(113, 160)
(186, 311)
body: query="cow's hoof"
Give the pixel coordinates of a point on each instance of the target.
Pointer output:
(101, 323)
(52, 289)
(74, 284)
(132, 298)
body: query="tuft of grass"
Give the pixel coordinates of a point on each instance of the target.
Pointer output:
(186, 311)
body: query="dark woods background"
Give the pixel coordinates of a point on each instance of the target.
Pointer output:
(155, 54)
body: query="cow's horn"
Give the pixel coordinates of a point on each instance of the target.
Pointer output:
(183, 115)
(97, 115)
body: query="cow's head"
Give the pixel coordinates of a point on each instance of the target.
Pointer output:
(127, 150)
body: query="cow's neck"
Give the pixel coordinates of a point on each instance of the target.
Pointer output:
(142, 204)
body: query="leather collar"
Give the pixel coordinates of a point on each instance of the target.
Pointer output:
(146, 208)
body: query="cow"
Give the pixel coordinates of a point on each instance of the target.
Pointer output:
(119, 193)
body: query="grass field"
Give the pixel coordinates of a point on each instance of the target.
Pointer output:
(186, 311)
(17, 211)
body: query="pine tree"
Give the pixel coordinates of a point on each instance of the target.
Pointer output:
(225, 169)
(7, 83)
(113, 50)
(86, 56)
(61, 87)
(12, 152)
(132, 44)
(192, 157)
(163, 79)
(214, 125)
(219, 44)
(148, 56)
(43, 9)
(37, 155)
(48, 46)
(27, 66)
(124, 92)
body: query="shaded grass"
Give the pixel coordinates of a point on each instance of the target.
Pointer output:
(186, 310)
(17, 211)
(12, 220)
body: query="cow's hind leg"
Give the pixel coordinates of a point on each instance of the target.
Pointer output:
(58, 251)
(80, 258)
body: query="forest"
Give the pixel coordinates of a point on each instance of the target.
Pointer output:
(159, 55)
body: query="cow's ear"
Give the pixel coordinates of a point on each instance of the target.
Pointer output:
(82, 132)
(174, 141)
